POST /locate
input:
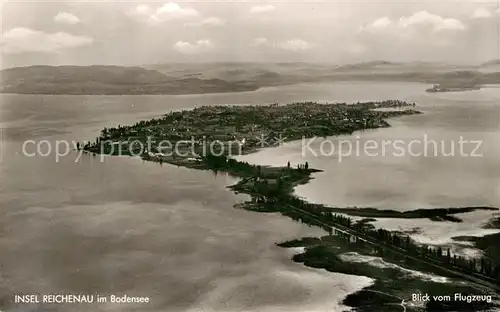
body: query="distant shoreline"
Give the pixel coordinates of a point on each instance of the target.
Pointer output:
(439, 88)
(214, 91)
(123, 80)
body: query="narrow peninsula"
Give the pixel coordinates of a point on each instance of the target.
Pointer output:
(190, 136)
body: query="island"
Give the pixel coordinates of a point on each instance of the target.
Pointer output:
(245, 129)
(444, 88)
(236, 128)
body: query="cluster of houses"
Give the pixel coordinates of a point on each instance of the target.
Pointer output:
(247, 125)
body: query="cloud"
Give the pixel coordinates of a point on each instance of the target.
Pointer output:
(424, 18)
(259, 41)
(383, 22)
(171, 11)
(295, 45)
(193, 48)
(209, 21)
(419, 21)
(167, 12)
(262, 9)
(481, 13)
(21, 40)
(66, 18)
(140, 10)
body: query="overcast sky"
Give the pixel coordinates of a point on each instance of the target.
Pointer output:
(134, 33)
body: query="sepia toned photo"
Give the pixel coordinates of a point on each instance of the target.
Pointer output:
(243, 156)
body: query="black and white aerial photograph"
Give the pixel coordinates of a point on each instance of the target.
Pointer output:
(250, 156)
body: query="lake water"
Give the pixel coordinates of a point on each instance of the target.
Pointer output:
(124, 226)
(416, 178)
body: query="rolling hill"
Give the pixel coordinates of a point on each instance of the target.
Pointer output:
(194, 78)
(108, 80)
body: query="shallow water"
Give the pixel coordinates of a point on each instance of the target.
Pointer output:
(378, 262)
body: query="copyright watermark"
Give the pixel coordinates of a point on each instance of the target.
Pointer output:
(201, 147)
(421, 147)
(151, 147)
